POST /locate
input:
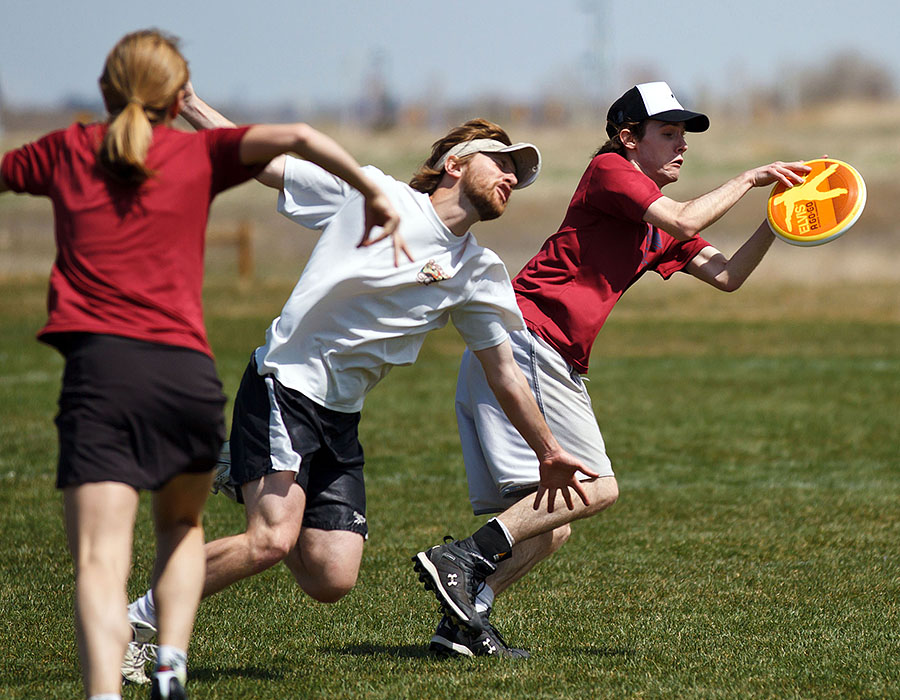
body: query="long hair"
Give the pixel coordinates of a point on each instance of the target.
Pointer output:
(615, 145)
(140, 82)
(427, 178)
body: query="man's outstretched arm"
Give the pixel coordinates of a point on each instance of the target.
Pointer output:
(684, 220)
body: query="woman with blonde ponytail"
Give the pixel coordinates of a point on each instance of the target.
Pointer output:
(137, 98)
(141, 403)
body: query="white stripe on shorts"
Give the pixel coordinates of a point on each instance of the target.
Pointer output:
(281, 450)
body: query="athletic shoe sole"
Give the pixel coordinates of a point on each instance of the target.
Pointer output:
(446, 647)
(428, 575)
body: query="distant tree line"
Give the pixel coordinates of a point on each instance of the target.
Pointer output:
(846, 76)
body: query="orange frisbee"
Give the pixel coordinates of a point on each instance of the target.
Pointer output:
(820, 209)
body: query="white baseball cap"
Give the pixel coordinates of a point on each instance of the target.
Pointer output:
(526, 157)
(652, 101)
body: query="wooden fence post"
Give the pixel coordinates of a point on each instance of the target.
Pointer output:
(245, 252)
(241, 237)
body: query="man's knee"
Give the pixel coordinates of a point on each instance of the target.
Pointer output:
(329, 588)
(603, 493)
(559, 537)
(326, 563)
(268, 546)
(325, 584)
(612, 492)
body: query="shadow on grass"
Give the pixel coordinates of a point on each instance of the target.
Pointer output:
(600, 651)
(420, 652)
(403, 652)
(202, 673)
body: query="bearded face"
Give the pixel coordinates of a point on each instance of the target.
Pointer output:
(487, 186)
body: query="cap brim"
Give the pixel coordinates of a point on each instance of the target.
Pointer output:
(693, 121)
(527, 159)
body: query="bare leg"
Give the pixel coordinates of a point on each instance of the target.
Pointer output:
(180, 565)
(524, 522)
(99, 526)
(525, 556)
(538, 534)
(275, 505)
(442, 568)
(326, 562)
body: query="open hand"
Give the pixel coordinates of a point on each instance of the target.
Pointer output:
(558, 474)
(379, 212)
(789, 174)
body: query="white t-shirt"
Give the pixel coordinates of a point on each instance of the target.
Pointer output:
(353, 315)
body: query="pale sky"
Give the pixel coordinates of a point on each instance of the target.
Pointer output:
(304, 53)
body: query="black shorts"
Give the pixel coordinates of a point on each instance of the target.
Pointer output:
(135, 412)
(278, 429)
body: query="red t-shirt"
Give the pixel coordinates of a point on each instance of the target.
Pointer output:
(129, 260)
(603, 246)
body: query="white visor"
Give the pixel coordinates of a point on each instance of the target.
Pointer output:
(526, 157)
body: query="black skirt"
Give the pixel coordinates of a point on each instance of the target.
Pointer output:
(135, 412)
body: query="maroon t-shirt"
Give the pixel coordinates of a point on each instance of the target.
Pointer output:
(602, 247)
(129, 259)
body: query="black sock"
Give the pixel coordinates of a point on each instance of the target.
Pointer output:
(492, 542)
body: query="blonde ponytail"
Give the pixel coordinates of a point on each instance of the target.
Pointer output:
(125, 145)
(140, 83)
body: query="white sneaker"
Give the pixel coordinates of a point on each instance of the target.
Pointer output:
(140, 652)
(222, 480)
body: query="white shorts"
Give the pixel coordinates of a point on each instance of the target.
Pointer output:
(500, 466)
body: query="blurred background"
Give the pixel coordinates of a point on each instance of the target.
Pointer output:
(387, 78)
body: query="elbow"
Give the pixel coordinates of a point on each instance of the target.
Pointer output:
(683, 223)
(684, 230)
(302, 135)
(728, 283)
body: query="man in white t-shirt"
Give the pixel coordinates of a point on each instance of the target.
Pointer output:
(359, 309)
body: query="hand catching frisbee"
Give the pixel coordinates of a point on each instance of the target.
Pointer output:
(823, 207)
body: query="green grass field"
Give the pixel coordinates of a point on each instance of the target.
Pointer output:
(753, 552)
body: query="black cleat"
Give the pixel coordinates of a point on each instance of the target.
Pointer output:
(167, 684)
(454, 571)
(450, 640)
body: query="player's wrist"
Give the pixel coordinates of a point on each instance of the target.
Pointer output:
(549, 451)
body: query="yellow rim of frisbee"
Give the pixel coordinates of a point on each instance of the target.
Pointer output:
(839, 227)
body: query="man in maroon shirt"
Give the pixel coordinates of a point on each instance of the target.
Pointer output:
(618, 226)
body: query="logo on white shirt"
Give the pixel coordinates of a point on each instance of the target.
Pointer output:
(431, 272)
